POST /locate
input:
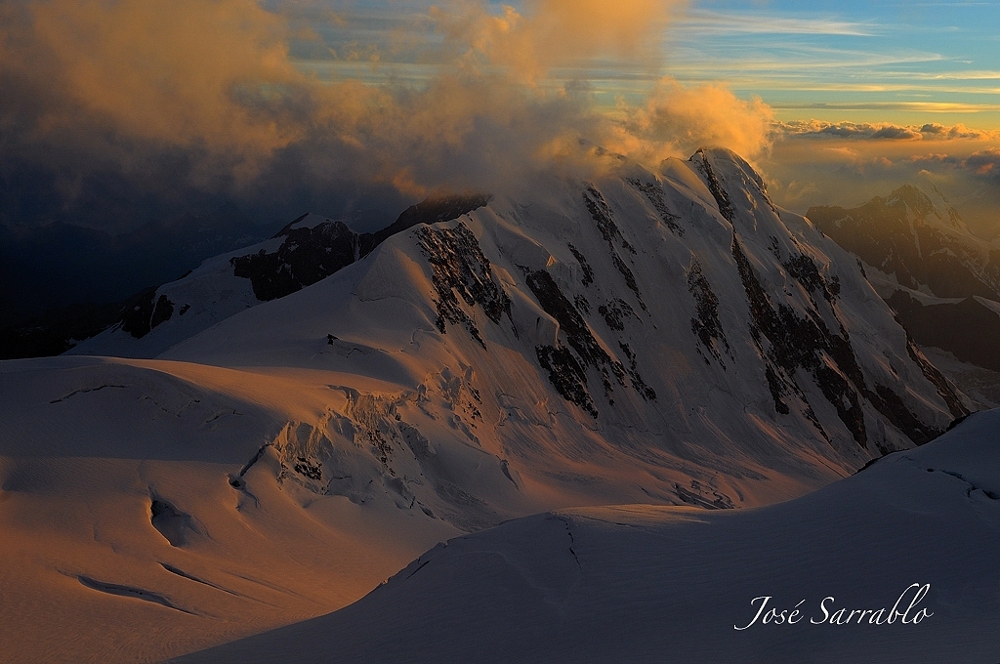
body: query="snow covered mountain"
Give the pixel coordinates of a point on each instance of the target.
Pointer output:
(306, 250)
(664, 337)
(920, 245)
(849, 570)
(630, 308)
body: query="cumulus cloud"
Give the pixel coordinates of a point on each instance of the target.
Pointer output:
(880, 131)
(983, 164)
(677, 120)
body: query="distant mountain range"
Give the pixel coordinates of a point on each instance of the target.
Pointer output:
(62, 282)
(941, 280)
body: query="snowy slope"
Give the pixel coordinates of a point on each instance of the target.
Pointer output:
(180, 309)
(654, 584)
(124, 539)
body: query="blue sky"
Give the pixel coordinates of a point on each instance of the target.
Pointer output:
(853, 60)
(907, 63)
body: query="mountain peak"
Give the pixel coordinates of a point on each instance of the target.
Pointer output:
(915, 199)
(906, 238)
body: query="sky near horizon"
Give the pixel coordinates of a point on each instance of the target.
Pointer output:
(873, 61)
(862, 61)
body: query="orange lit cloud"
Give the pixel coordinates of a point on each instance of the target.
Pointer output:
(820, 163)
(177, 71)
(678, 119)
(556, 33)
(189, 93)
(882, 131)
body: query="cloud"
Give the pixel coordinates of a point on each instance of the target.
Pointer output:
(853, 130)
(820, 163)
(714, 23)
(983, 164)
(956, 132)
(881, 131)
(183, 72)
(555, 33)
(677, 120)
(162, 101)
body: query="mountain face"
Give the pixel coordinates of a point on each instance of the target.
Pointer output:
(665, 337)
(666, 323)
(941, 280)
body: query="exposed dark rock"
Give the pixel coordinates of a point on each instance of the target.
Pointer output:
(629, 278)
(805, 343)
(891, 405)
(306, 256)
(795, 343)
(777, 388)
(310, 254)
(706, 324)
(571, 323)
(567, 367)
(566, 375)
(615, 313)
(588, 272)
(145, 312)
(638, 384)
(804, 270)
(460, 269)
(309, 468)
(714, 186)
(601, 213)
